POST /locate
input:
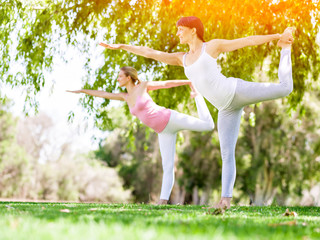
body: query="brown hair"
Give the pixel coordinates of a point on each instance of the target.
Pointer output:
(132, 72)
(192, 22)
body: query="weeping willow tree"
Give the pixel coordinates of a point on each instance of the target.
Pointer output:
(32, 33)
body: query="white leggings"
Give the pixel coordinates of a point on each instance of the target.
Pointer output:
(229, 119)
(167, 140)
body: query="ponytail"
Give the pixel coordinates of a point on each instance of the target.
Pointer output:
(132, 72)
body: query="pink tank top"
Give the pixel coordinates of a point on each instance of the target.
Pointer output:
(150, 113)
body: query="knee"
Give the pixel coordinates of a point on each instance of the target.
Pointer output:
(228, 156)
(211, 127)
(287, 90)
(168, 168)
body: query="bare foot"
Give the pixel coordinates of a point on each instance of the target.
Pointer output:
(162, 202)
(224, 203)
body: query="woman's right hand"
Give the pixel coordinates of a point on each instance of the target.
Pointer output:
(111, 46)
(286, 36)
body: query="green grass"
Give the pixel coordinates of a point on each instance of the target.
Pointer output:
(20, 220)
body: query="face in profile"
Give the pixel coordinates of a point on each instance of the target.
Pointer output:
(184, 34)
(122, 78)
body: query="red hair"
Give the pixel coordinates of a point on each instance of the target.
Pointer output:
(192, 22)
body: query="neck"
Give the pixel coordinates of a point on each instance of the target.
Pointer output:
(130, 87)
(195, 44)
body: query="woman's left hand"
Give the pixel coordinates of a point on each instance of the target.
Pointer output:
(76, 91)
(193, 92)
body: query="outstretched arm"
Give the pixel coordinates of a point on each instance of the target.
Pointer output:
(168, 58)
(231, 45)
(221, 45)
(102, 94)
(154, 85)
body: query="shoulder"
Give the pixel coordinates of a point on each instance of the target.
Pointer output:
(213, 46)
(141, 87)
(123, 96)
(213, 43)
(144, 84)
(148, 85)
(179, 57)
(180, 54)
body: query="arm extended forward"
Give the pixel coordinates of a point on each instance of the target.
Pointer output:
(102, 94)
(168, 58)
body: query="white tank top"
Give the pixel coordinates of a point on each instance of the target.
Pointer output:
(209, 81)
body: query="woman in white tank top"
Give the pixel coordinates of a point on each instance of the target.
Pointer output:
(228, 95)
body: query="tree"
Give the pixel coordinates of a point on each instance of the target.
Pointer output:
(133, 150)
(10, 14)
(276, 154)
(15, 167)
(199, 166)
(45, 26)
(64, 176)
(151, 23)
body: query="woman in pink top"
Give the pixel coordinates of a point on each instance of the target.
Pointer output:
(165, 122)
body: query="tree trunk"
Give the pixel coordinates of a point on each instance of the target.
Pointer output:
(195, 196)
(204, 199)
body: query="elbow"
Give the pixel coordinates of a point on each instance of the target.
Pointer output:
(288, 90)
(251, 41)
(287, 87)
(210, 125)
(148, 53)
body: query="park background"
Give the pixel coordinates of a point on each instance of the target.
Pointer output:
(278, 150)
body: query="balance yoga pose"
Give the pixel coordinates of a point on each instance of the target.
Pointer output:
(228, 95)
(165, 122)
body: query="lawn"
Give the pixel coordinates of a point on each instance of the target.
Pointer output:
(21, 220)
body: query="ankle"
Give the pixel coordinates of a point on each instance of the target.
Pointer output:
(226, 198)
(162, 202)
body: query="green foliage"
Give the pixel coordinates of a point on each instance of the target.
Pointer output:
(137, 160)
(200, 161)
(15, 170)
(138, 221)
(11, 13)
(32, 33)
(133, 150)
(15, 167)
(45, 25)
(66, 178)
(277, 157)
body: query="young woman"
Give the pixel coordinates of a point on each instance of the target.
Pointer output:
(228, 95)
(165, 122)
